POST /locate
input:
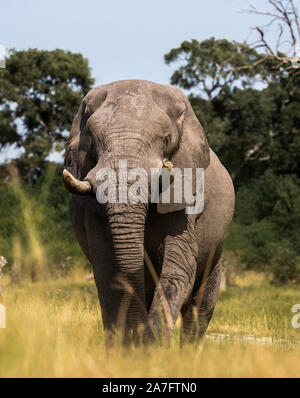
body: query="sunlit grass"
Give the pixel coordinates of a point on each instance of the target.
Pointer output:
(258, 309)
(30, 263)
(54, 330)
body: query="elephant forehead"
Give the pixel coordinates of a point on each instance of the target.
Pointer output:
(128, 103)
(138, 95)
(137, 113)
(139, 104)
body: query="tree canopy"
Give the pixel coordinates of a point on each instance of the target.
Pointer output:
(40, 92)
(251, 116)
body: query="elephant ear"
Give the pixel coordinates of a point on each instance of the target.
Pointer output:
(193, 153)
(80, 156)
(77, 144)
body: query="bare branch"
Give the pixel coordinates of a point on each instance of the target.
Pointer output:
(263, 41)
(296, 17)
(254, 64)
(279, 39)
(285, 13)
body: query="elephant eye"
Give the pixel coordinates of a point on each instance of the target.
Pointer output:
(167, 141)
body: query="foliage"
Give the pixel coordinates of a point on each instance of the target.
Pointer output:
(40, 92)
(212, 66)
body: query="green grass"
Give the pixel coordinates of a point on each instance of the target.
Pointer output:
(259, 310)
(54, 330)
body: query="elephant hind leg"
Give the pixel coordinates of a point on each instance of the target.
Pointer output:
(198, 311)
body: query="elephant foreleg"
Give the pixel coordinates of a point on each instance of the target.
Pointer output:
(175, 282)
(197, 313)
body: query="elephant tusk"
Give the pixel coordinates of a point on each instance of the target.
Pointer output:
(167, 163)
(76, 186)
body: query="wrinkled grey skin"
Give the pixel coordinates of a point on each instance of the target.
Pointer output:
(144, 123)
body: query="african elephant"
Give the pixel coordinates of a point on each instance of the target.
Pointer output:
(146, 124)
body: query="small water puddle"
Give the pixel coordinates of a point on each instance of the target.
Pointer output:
(249, 338)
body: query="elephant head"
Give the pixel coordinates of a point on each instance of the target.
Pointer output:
(151, 126)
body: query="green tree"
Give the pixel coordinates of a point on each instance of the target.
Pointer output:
(251, 128)
(40, 92)
(213, 65)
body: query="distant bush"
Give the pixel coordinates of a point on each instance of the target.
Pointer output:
(265, 231)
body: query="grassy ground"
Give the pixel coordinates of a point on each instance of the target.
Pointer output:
(54, 330)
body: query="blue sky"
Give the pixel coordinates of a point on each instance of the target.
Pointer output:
(122, 39)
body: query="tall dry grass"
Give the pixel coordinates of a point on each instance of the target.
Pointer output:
(30, 259)
(54, 330)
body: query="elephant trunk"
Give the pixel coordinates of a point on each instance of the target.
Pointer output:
(127, 223)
